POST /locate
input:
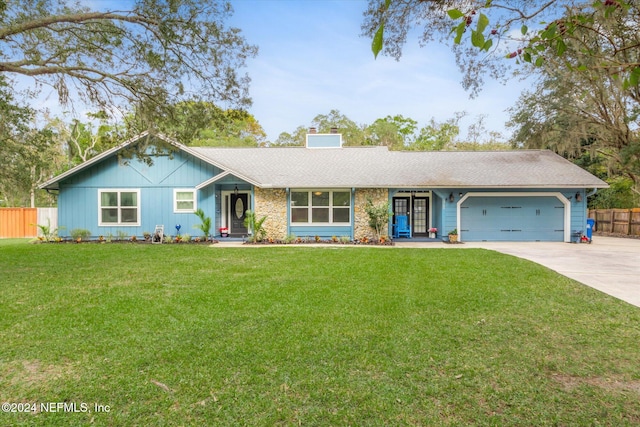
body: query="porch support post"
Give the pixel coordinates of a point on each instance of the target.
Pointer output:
(391, 193)
(288, 213)
(353, 213)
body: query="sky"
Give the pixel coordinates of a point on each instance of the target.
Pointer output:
(312, 60)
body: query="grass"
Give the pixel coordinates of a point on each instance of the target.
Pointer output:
(191, 335)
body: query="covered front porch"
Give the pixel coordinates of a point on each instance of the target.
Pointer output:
(233, 197)
(416, 214)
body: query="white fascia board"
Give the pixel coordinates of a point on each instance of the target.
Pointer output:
(212, 180)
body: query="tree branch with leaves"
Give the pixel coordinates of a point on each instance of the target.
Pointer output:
(483, 33)
(152, 53)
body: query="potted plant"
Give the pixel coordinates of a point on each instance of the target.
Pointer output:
(453, 235)
(433, 232)
(224, 231)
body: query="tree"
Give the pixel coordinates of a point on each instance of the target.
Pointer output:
(29, 156)
(402, 133)
(84, 140)
(405, 128)
(351, 132)
(477, 135)
(588, 112)
(147, 54)
(14, 121)
(378, 217)
(385, 133)
(619, 195)
(295, 139)
(483, 33)
(202, 123)
(438, 136)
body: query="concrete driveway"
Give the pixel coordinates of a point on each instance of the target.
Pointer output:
(609, 264)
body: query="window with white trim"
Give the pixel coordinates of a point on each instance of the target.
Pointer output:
(119, 207)
(320, 207)
(184, 200)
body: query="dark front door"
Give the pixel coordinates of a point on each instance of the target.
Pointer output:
(237, 209)
(420, 216)
(401, 206)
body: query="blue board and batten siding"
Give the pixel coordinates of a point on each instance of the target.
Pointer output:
(79, 194)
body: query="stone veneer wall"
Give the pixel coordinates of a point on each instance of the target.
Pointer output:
(272, 203)
(378, 196)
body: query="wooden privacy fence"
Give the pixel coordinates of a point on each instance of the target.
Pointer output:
(18, 222)
(617, 221)
(21, 222)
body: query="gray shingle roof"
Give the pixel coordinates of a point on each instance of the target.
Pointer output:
(377, 167)
(297, 167)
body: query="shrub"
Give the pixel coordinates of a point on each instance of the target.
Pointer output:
(255, 226)
(48, 234)
(378, 216)
(205, 223)
(80, 234)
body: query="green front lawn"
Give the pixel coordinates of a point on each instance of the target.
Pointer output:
(195, 335)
